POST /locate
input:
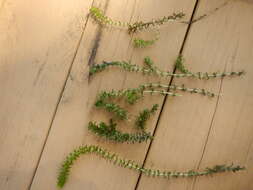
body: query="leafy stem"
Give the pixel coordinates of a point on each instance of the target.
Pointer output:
(115, 159)
(109, 132)
(140, 25)
(130, 95)
(121, 113)
(144, 115)
(157, 72)
(133, 94)
(141, 43)
(101, 18)
(181, 88)
(98, 15)
(179, 63)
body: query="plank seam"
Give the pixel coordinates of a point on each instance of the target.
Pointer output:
(58, 101)
(166, 96)
(208, 134)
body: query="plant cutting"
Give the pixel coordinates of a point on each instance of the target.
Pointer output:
(143, 117)
(130, 164)
(109, 132)
(132, 95)
(138, 26)
(127, 66)
(135, 27)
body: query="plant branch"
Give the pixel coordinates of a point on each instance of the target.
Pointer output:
(109, 132)
(115, 159)
(157, 72)
(121, 113)
(144, 115)
(181, 88)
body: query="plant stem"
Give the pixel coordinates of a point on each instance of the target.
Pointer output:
(181, 87)
(138, 26)
(109, 132)
(143, 116)
(162, 92)
(121, 113)
(138, 69)
(115, 159)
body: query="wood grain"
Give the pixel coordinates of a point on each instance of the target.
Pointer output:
(196, 132)
(38, 42)
(76, 106)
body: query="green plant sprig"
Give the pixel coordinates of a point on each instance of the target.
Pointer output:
(157, 72)
(144, 115)
(181, 88)
(179, 64)
(161, 92)
(120, 112)
(140, 25)
(99, 16)
(141, 43)
(109, 132)
(130, 95)
(115, 159)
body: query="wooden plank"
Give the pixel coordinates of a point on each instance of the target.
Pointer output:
(38, 42)
(76, 107)
(196, 132)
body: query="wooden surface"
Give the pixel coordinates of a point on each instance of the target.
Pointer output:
(47, 97)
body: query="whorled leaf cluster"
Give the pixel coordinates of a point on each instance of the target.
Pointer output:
(141, 43)
(114, 108)
(179, 63)
(99, 16)
(130, 164)
(109, 132)
(143, 116)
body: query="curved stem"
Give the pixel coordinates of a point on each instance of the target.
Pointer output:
(157, 72)
(115, 159)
